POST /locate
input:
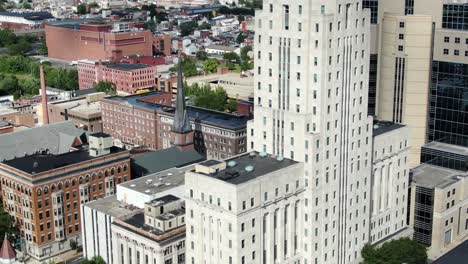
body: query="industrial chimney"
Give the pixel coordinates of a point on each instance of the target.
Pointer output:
(45, 111)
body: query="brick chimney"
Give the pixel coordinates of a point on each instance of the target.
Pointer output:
(45, 111)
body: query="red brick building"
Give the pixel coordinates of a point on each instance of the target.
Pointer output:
(24, 21)
(148, 60)
(162, 43)
(44, 192)
(97, 40)
(128, 78)
(133, 120)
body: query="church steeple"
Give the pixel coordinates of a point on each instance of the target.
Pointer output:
(182, 134)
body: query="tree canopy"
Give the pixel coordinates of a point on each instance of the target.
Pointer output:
(398, 251)
(94, 260)
(201, 55)
(189, 67)
(105, 87)
(206, 97)
(210, 65)
(188, 28)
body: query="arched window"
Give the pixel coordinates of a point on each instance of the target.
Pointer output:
(39, 192)
(125, 167)
(119, 169)
(93, 177)
(100, 175)
(67, 184)
(73, 182)
(106, 173)
(46, 190)
(52, 188)
(59, 186)
(80, 180)
(112, 171)
(87, 178)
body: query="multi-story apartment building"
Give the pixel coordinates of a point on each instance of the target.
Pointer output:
(246, 209)
(133, 120)
(389, 182)
(96, 40)
(439, 208)
(44, 192)
(311, 78)
(84, 112)
(127, 78)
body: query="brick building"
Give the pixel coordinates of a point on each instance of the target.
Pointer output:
(133, 120)
(162, 43)
(24, 21)
(85, 112)
(44, 192)
(96, 40)
(128, 78)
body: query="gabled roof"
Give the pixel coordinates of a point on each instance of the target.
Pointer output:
(7, 251)
(54, 139)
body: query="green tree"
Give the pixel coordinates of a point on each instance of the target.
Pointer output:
(93, 5)
(43, 48)
(7, 37)
(105, 87)
(399, 251)
(82, 9)
(231, 57)
(201, 55)
(244, 53)
(7, 225)
(19, 48)
(151, 25)
(94, 260)
(210, 65)
(27, 5)
(9, 85)
(187, 28)
(245, 66)
(189, 67)
(204, 26)
(231, 105)
(241, 37)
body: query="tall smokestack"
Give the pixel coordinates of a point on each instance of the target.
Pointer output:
(45, 111)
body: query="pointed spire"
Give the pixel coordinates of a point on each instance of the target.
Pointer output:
(181, 120)
(7, 251)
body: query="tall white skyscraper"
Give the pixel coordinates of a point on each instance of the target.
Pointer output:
(311, 89)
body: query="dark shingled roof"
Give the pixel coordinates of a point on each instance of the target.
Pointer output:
(164, 159)
(38, 163)
(457, 255)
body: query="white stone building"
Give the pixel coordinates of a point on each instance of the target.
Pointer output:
(153, 235)
(98, 216)
(389, 182)
(311, 89)
(247, 209)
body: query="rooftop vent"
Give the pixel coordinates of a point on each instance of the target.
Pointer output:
(252, 154)
(147, 191)
(263, 154)
(231, 164)
(249, 168)
(132, 185)
(280, 158)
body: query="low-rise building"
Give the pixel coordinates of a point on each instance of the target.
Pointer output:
(445, 155)
(98, 216)
(220, 50)
(44, 192)
(439, 206)
(84, 112)
(252, 206)
(127, 78)
(153, 235)
(389, 182)
(25, 21)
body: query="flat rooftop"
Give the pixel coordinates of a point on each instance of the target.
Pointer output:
(431, 176)
(38, 163)
(158, 182)
(163, 200)
(196, 114)
(80, 106)
(259, 163)
(138, 221)
(457, 255)
(127, 66)
(381, 127)
(447, 148)
(111, 206)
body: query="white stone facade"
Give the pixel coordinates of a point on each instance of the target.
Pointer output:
(311, 89)
(255, 221)
(389, 184)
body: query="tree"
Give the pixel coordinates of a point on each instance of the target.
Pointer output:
(82, 9)
(7, 224)
(231, 57)
(94, 260)
(43, 48)
(245, 66)
(244, 53)
(7, 37)
(27, 5)
(189, 67)
(210, 65)
(151, 25)
(241, 37)
(204, 25)
(231, 105)
(19, 48)
(399, 251)
(93, 5)
(201, 55)
(105, 87)
(187, 28)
